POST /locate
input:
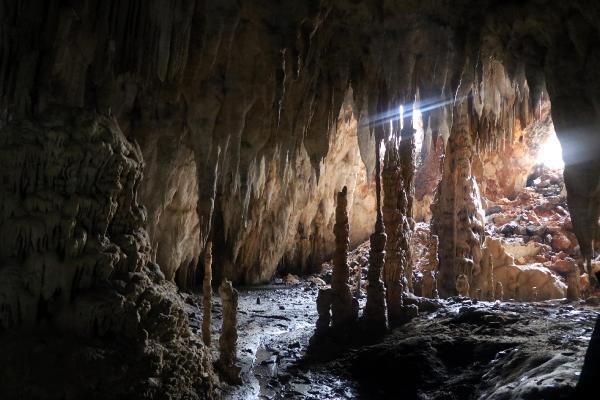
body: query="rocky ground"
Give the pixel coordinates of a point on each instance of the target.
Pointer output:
(464, 350)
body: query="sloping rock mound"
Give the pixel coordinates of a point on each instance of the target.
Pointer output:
(75, 269)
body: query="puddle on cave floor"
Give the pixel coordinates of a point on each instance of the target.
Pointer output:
(463, 350)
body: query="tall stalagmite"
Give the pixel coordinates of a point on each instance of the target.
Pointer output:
(393, 270)
(374, 314)
(207, 294)
(229, 335)
(407, 162)
(458, 217)
(344, 307)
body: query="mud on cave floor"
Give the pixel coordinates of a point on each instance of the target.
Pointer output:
(464, 350)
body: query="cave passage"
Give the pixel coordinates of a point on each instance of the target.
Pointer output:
(318, 199)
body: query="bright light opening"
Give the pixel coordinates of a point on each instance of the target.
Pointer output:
(550, 153)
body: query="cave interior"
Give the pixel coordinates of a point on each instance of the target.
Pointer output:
(321, 199)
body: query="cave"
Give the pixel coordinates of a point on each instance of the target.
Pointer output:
(320, 199)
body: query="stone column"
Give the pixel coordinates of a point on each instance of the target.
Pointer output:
(458, 218)
(407, 161)
(344, 308)
(374, 314)
(228, 339)
(573, 292)
(393, 270)
(207, 294)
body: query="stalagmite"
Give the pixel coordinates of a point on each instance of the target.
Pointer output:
(462, 285)
(207, 294)
(393, 270)
(374, 314)
(407, 162)
(429, 285)
(458, 217)
(573, 292)
(344, 307)
(483, 275)
(324, 299)
(499, 291)
(228, 338)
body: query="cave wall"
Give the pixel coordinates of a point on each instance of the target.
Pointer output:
(172, 122)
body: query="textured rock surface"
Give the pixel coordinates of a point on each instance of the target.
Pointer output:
(207, 295)
(344, 308)
(76, 260)
(229, 333)
(458, 217)
(395, 259)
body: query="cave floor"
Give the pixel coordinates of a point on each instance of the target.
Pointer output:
(464, 350)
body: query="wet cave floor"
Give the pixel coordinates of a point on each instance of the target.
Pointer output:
(463, 350)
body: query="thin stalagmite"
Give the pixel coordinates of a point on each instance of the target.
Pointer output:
(429, 285)
(344, 308)
(229, 335)
(207, 294)
(393, 270)
(407, 162)
(374, 314)
(462, 285)
(573, 292)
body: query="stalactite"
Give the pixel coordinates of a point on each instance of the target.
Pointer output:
(207, 294)
(344, 307)
(229, 336)
(374, 314)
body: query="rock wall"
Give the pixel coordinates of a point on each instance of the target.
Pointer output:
(76, 257)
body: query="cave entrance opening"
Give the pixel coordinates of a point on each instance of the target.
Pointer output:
(550, 152)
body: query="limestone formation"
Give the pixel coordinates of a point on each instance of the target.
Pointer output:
(462, 285)
(324, 300)
(457, 211)
(499, 291)
(429, 285)
(344, 307)
(395, 256)
(132, 131)
(407, 162)
(76, 255)
(483, 275)
(374, 313)
(573, 292)
(229, 335)
(207, 294)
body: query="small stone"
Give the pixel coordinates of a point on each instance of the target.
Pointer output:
(493, 210)
(508, 229)
(561, 242)
(563, 266)
(536, 230)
